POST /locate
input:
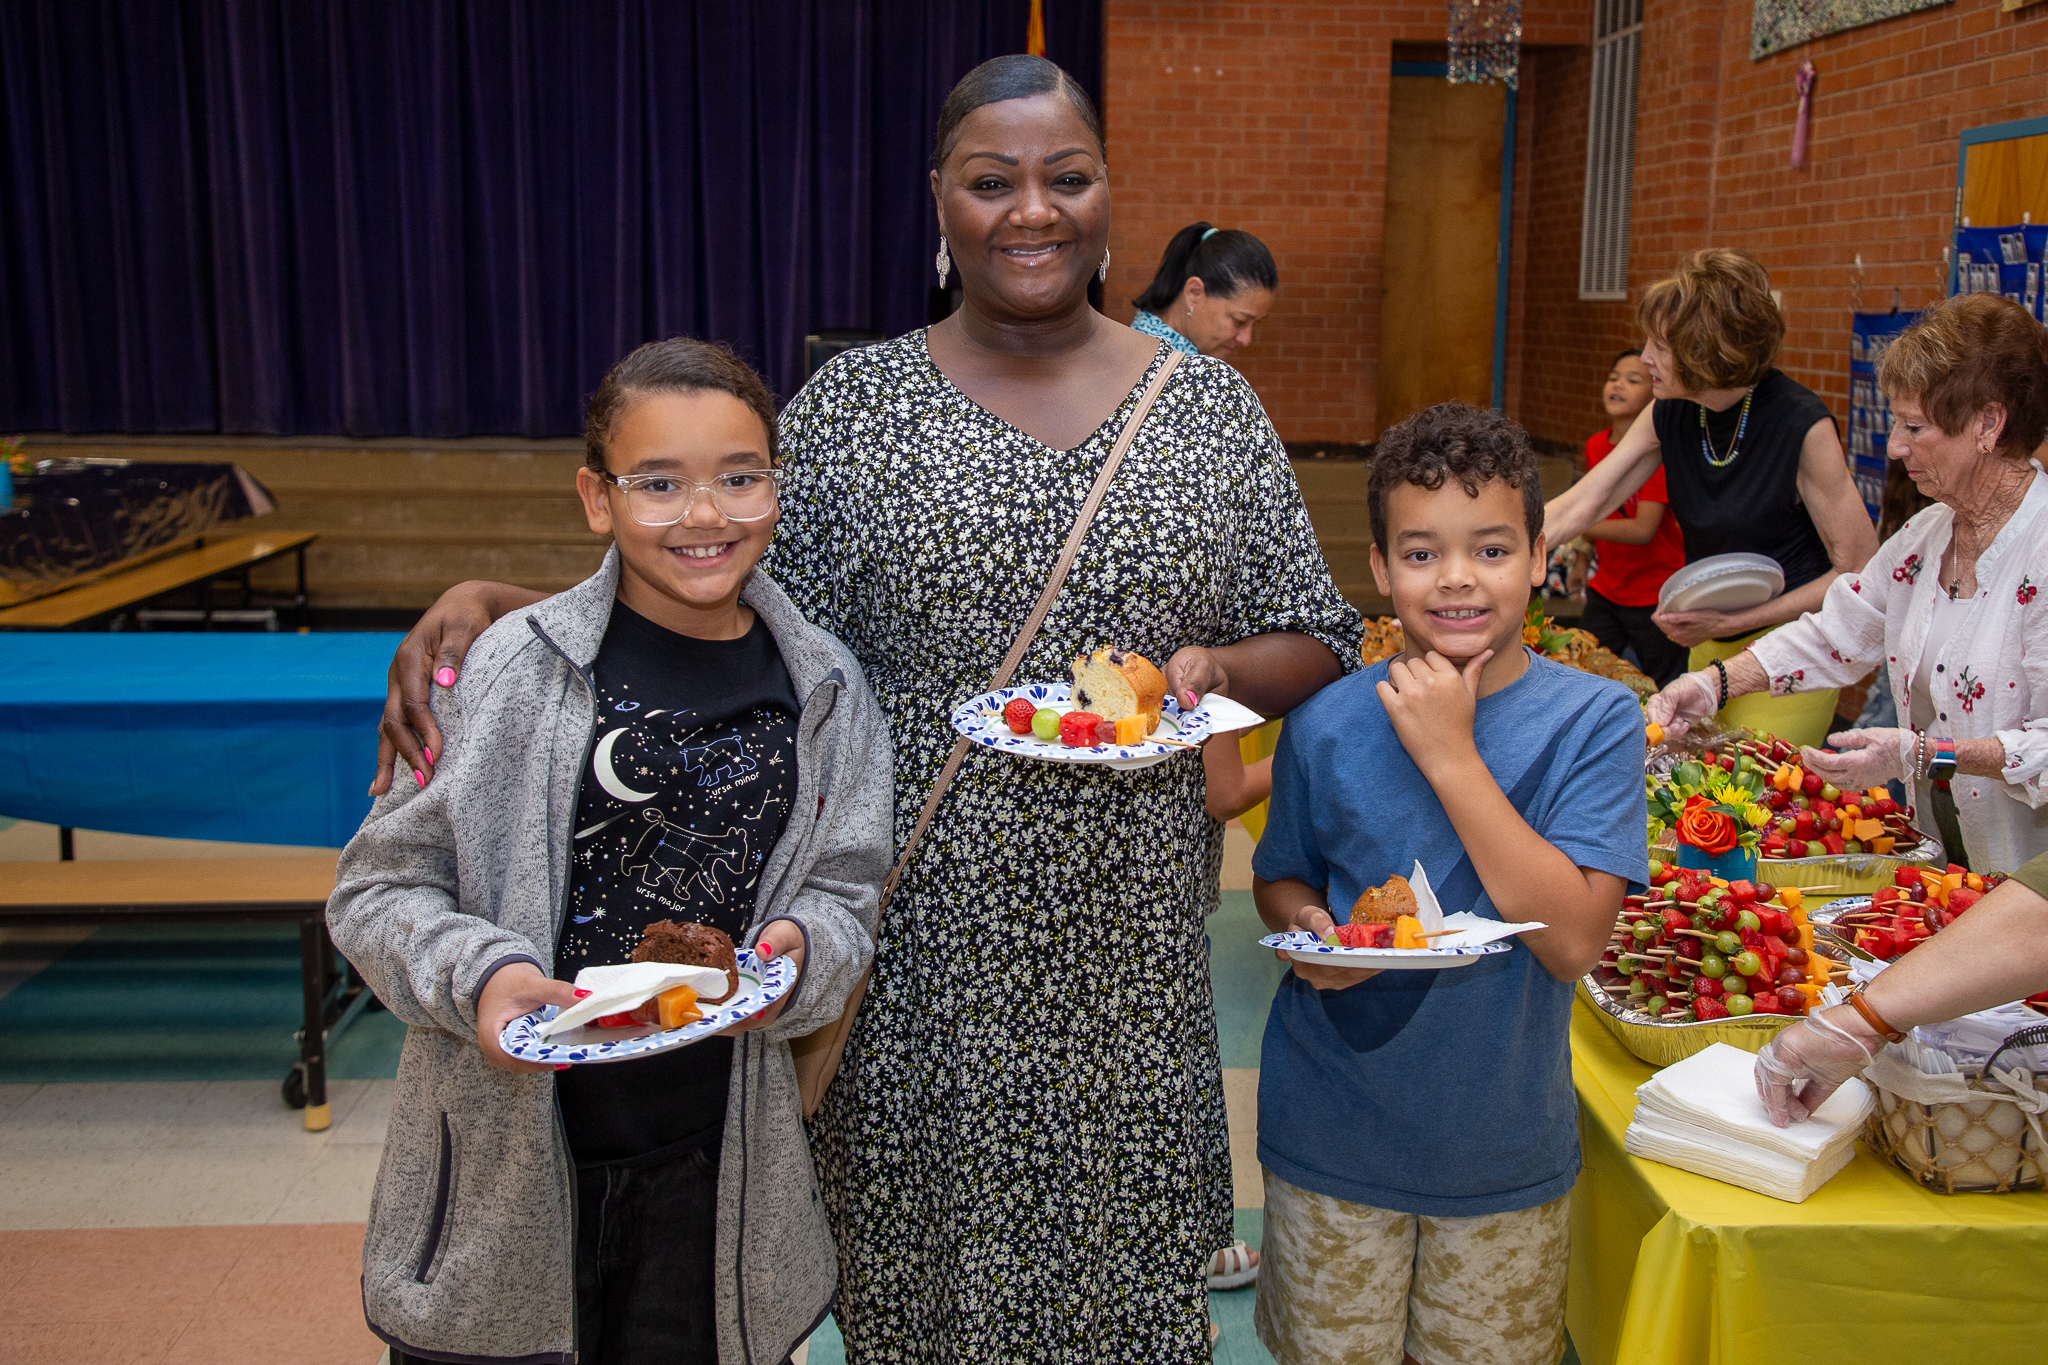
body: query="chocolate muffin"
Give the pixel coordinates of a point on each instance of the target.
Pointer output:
(695, 945)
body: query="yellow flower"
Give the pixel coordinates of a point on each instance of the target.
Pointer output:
(1758, 817)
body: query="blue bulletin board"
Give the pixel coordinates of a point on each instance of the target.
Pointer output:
(1870, 415)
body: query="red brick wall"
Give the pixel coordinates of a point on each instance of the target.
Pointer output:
(1714, 137)
(1271, 117)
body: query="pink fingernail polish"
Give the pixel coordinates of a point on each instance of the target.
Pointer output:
(430, 757)
(419, 777)
(561, 1066)
(581, 993)
(445, 677)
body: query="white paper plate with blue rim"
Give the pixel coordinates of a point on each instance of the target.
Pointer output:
(761, 985)
(1471, 938)
(1303, 946)
(981, 720)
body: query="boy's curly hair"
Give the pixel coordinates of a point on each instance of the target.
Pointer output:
(1475, 446)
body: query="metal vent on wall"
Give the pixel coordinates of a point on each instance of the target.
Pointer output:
(1610, 149)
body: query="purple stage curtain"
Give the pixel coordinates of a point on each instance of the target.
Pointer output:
(437, 218)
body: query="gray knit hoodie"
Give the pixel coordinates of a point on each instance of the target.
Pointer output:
(469, 1253)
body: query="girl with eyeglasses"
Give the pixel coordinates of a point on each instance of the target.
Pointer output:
(670, 740)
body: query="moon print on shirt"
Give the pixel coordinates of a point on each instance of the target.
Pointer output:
(674, 821)
(601, 769)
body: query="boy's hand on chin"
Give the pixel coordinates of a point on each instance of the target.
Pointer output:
(1431, 703)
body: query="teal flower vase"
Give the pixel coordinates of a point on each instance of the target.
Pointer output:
(1736, 865)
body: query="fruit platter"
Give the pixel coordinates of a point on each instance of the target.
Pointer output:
(1895, 919)
(1808, 833)
(1698, 960)
(1567, 645)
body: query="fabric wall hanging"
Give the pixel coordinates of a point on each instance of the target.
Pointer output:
(1778, 24)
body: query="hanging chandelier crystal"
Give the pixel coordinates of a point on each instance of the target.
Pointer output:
(1486, 41)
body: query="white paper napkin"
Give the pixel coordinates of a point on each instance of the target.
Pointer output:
(1656, 1137)
(621, 986)
(1715, 1090)
(1226, 715)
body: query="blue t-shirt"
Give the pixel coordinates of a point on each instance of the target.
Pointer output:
(1446, 1093)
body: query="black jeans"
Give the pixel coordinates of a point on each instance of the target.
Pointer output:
(1617, 627)
(645, 1234)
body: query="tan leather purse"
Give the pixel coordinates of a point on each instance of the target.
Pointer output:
(817, 1054)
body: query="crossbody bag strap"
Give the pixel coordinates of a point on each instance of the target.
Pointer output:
(1068, 553)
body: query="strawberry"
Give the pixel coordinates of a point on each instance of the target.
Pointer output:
(1017, 715)
(1709, 1007)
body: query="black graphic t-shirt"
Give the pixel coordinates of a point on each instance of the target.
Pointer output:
(689, 787)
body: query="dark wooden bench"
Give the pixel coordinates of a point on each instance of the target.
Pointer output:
(211, 890)
(207, 560)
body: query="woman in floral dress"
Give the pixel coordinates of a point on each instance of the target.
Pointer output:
(1024, 1154)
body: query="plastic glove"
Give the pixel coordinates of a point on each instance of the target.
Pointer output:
(1690, 699)
(1806, 1063)
(1869, 758)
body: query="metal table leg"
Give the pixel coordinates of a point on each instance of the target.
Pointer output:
(313, 972)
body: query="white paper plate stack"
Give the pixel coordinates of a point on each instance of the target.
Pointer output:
(1734, 582)
(1703, 1115)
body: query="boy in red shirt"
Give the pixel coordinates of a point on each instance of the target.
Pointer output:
(1640, 543)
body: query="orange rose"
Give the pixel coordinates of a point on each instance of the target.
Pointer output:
(1709, 830)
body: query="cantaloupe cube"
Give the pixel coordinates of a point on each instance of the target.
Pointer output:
(1135, 729)
(1868, 830)
(676, 1007)
(1408, 933)
(1883, 843)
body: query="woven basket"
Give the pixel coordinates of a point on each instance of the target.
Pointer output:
(1978, 1146)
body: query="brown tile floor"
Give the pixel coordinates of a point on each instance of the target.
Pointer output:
(283, 1294)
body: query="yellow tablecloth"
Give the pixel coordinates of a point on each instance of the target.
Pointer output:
(1670, 1268)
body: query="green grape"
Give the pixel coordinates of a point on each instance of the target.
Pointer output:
(1713, 964)
(1728, 941)
(1746, 964)
(1656, 1005)
(1645, 930)
(1046, 724)
(1747, 919)
(1739, 1004)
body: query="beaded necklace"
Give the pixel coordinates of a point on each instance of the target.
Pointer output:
(1735, 445)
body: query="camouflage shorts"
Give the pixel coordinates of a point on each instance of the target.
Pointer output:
(1341, 1282)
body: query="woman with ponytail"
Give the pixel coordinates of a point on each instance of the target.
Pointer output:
(1213, 286)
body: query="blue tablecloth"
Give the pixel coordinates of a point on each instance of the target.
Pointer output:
(266, 739)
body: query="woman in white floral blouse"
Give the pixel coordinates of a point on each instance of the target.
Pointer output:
(1951, 605)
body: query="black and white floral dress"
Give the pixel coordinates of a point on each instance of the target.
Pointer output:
(1025, 1155)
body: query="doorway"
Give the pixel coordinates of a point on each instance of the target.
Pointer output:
(1441, 319)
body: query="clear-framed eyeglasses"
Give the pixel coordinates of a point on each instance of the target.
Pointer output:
(665, 499)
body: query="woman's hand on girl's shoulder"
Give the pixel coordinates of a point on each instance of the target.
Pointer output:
(432, 653)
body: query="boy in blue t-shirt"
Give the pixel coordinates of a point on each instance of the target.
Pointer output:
(1418, 1128)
